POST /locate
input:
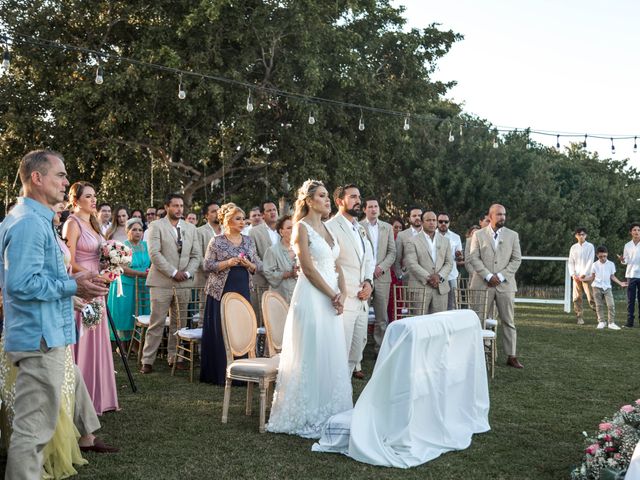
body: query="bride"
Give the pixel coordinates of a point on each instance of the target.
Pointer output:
(313, 377)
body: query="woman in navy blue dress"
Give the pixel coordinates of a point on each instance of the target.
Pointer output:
(231, 260)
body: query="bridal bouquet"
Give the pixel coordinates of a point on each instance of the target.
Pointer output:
(115, 255)
(609, 452)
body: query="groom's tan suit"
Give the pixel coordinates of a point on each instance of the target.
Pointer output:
(421, 266)
(166, 260)
(357, 264)
(501, 256)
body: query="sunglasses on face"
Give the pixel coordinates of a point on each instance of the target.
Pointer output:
(443, 221)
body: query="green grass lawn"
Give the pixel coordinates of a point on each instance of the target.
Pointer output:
(574, 376)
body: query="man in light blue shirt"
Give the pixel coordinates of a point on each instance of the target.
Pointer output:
(38, 308)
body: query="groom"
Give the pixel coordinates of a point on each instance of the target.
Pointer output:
(357, 264)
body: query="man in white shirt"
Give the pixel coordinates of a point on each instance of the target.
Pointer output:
(631, 258)
(581, 257)
(265, 236)
(603, 272)
(104, 217)
(415, 227)
(457, 256)
(384, 254)
(255, 219)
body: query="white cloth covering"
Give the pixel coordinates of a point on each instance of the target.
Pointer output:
(428, 394)
(633, 472)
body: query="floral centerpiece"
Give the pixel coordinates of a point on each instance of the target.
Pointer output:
(609, 452)
(114, 256)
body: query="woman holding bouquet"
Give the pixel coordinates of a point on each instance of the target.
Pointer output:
(92, 352)
(123, 308)
(230, 259)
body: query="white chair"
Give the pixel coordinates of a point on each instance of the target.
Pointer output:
(274, 316)
(239, 327)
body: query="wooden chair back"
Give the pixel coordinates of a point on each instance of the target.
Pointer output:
(239, 326)
(409, 301)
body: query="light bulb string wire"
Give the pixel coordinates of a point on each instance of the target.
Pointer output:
(101, 56)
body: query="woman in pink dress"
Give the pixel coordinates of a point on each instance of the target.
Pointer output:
(92, 352)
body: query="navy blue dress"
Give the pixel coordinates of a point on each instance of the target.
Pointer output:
(213, 361)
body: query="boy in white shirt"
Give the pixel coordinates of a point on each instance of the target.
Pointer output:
(602, 273)
(581, 258)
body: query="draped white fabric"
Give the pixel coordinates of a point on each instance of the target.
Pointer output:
(428, 394)
(633, 473)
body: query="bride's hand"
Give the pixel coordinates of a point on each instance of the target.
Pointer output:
(338, 303)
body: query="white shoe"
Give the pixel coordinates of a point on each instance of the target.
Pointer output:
(613, 326)
(601, 325)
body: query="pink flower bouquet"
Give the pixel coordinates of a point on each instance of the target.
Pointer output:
(115, 255)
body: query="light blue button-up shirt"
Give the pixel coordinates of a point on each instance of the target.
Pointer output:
(35, 285)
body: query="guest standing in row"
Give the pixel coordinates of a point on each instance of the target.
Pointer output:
(123, 308)
(280, 268)
(93, 350)
(117, 230)
(231, 259)
(398, 225)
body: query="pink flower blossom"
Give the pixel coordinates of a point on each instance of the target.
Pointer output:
(241, 255)
(607, 438)
(637, 402)
(626, 408)
(610, 449)
(617, 456)
(605, 426)
(592, 449)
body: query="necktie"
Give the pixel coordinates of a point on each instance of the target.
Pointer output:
(495, 236)
(179, 240)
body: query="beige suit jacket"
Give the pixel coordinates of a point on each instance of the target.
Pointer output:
(356, 267)
(163, 250)
(205, 233)
(261, 238)
(400, 266)
(421, 265)
(386, 254)
(487, 259)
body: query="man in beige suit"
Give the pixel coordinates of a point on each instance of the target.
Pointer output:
(357, 264)
(205, 233)
(380, 234)
(175, 257)
(429, 262)
(264, 235)
(415, 227)
(495, 257)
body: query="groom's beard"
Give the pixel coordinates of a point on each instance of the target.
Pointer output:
(356, 213)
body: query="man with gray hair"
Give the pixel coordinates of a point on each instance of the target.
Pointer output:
(39, 310)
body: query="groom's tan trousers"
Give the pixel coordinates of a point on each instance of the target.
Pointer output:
(355, 318)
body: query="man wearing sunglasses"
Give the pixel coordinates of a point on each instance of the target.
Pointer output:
(457, 257)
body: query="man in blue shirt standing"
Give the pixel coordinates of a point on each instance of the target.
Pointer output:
(38, 308)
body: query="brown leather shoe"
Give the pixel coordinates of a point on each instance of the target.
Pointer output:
(146, 369)
(182, 366)
(359, 375)
(99, 447)
(513, 362)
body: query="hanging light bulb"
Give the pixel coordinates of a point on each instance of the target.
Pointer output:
(249, 103)
(6, 59)
(181, 92)
(451, 137)
(584, 144)
(406, 125)
(528, 145)
(460, 132)
(99, 76)
(558, 142)
(635, 144)
(361, 123)
(495, 142)
(613, 147)
(312, 119)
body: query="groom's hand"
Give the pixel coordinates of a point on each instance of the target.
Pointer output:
(365, 291)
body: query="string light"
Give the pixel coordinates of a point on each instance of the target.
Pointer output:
(361, 123)
(495, 142)
(635, 144)
(558, 142)
(249, 103)
(181, 92)
(460, 132)
(613, 147)
(584, 144)
(451, 137)
(312, 119)
(406, 125)
(99, 75)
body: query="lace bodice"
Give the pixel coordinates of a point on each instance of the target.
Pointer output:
(322, 254)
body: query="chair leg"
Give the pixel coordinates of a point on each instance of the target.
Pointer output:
(227, 398)
(263, 404)
(143, 338)
(191, 359)
(249, 398)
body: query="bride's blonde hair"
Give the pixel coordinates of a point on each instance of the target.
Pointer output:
(307, 190)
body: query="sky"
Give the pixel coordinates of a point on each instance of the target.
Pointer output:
(564, 65)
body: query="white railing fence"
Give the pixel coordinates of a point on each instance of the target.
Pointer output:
(566, 301)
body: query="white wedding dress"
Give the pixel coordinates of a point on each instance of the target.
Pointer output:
(313, 377)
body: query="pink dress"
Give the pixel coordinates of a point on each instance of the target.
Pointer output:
(92, 352)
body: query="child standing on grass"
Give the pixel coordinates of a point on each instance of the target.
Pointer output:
(602, 273)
